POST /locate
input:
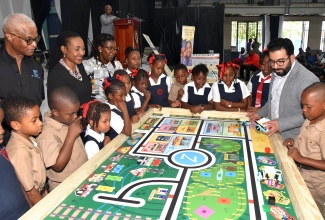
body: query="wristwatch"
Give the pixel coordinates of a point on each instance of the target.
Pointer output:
(229, 105)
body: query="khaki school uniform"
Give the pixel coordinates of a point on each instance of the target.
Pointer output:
(311, 143)
(173, 93)
(50, 142)
(27, 160)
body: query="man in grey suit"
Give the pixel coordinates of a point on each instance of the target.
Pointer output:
(289, 79)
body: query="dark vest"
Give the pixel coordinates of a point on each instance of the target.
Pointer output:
(194, 99)
(90, 138)
(265, 90)
(141, 98)
(236, 96)
(159, 93)
(112, 133)
(130, 106)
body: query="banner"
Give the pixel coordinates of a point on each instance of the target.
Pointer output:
(187, 45)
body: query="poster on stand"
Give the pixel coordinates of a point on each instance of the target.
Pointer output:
(187, 45)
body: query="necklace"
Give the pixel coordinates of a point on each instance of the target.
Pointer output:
(76, 74)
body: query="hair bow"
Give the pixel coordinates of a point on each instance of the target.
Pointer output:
(119, 77)
(223, 68)
(153, 57)
(189, 71)
(265, 50)
(85, 107)
(106, 84)
(134, 73)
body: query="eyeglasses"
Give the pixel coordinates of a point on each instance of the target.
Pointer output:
(278, 62)
(116, 49)
(28, 40)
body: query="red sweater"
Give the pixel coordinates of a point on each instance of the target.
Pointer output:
(253, 60)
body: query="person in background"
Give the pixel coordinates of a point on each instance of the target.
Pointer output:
(252, 63)
(249, 44)
(259, 85)
(289, 79)
(242, 57)
(256, 46)
(12, 197)
(102, 63)
(66, 67)
(106, 21)
(20, 74)
(132, 59)
(308, 149)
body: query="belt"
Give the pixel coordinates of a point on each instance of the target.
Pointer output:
(305, 167)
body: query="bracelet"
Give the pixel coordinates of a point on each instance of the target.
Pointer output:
(238, 109)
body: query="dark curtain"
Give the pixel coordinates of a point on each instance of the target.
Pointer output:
(208, 22)
(75, 17)
(274, 26)
(41, 9)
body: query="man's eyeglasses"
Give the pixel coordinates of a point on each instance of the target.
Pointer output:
(278, 62)
(28, 40)
(116, 49)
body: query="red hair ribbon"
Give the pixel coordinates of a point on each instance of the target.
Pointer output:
(265, 50)
(106, 84)
(119, 77)
(85, 107)
(223, 68)
(134, 73)
(189, 71)
(153, 57)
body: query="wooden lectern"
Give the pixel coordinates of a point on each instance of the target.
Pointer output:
(126, 34)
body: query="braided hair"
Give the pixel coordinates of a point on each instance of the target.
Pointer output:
(152, 58)
(129, 50)
(94, 111)
(222, 68)
(100, 41)
(112, 85)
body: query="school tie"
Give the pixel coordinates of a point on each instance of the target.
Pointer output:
(258, 101)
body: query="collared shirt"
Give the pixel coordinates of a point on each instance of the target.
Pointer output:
(168, 81)
(27, 160)
(136, 97)
(117, 122)
(28, 82)
(50, 142)
(196, 92)
(107, 23)
(91, 146)
(231, 89)
(173, 93)
(98, 72)
(276, 91)
(261, 76)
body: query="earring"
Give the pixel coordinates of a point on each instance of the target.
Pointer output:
(100, 51)
(63, 55)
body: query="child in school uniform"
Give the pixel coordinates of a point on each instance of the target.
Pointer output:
(12, 197)
(308, 148)
(60, 141)
(159, 83)
(229, 93)
(139, 90)
(125, 78)
(176, 90)
(98, 116)
(120, 119)
(259, 85)
(22, 115)
(197, 94)
(132, 59)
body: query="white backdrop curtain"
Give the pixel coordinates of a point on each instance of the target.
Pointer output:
(13, 6)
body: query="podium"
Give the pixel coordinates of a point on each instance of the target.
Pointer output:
(126, 34)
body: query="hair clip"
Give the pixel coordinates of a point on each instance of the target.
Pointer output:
(85, 107)
(119, 77)
(106, 84)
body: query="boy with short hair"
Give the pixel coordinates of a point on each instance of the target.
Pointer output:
(22, 115)
(197, 94)
(60, 141)
(308, 150)
(176, 90)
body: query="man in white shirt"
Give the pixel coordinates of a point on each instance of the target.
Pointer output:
(107, 21)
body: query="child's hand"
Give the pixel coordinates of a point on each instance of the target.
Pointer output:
(140, 114)
(288, 143)
(75, 128)
(121, 106)
(147, 95)
(295, 154)
(176, 104)
(196, 109)
(135, 118)
(155, 106)
(180, 93)
(252, 109)
(223, 102)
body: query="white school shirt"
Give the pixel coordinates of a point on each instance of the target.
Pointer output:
(196, 92)
(231, 89)
(136, 97)
(276, 91)
(91, 147)
(117, 122)
(261, 76)
(168, 81)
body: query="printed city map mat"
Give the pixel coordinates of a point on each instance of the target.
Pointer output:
(173, 168)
